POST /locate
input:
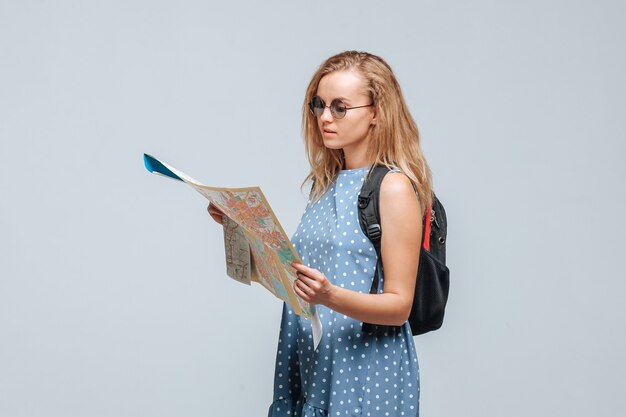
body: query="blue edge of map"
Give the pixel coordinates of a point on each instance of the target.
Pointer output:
(154, 165)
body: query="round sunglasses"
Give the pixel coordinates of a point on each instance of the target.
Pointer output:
(337, 108)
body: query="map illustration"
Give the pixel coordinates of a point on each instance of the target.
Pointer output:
(256, 246)
(238, 262)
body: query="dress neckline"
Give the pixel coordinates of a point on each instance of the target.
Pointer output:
(354, 170)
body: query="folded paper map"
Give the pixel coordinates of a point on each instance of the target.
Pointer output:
(256, 246)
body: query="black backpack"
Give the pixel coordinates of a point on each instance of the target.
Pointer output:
(433, 276)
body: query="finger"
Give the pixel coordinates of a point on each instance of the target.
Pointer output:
(215, 208)
(215, 212)
(310, 272)
(298, 265)
(300, 292)
(315, 276)
(303, 296)
(301, 285)
(306, 279)
(307, 286)
(217, 217)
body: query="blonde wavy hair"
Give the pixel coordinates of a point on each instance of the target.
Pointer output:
(393, 141)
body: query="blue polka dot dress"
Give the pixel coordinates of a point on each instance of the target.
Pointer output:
(350, 373)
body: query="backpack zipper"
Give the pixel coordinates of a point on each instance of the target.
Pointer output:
(433, 218)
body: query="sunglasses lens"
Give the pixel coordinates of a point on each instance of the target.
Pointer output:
(317, 106)
(338, 109)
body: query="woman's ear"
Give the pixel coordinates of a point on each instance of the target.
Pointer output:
(374, 117)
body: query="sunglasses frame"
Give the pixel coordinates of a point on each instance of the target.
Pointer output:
(333, 107)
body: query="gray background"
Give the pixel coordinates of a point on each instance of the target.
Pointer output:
(113, 294)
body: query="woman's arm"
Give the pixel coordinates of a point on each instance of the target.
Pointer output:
(401, 222)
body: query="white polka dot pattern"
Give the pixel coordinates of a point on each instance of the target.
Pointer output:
(350, 373)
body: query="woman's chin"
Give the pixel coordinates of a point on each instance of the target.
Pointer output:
(332, 144)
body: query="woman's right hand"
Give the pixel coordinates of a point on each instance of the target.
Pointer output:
(215, 213)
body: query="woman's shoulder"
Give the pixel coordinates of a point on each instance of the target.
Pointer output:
(397, 186)
(396, 182)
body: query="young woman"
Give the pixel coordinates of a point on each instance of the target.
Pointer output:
(354, 116)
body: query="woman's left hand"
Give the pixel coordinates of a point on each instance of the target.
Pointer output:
(312, 286)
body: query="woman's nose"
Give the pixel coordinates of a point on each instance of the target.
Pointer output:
(326, 114)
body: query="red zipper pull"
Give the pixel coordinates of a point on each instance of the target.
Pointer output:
(426, 239)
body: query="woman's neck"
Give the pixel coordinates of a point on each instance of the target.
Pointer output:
(355, 158)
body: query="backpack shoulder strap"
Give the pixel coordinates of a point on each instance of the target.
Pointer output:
(369, 219)
(369, 214)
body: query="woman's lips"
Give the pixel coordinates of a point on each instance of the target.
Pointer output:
(328, 132)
